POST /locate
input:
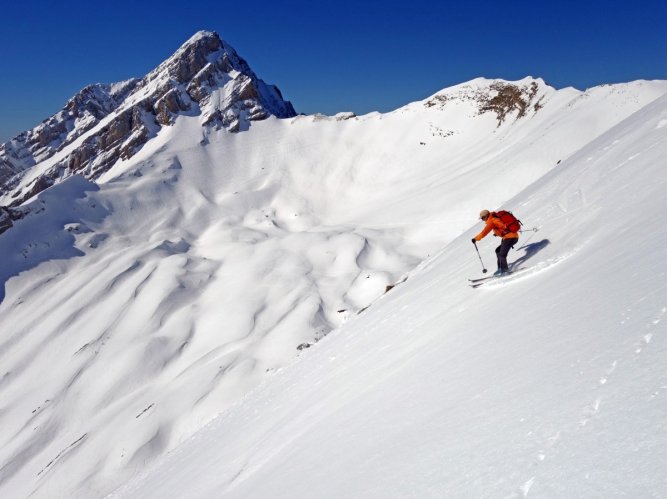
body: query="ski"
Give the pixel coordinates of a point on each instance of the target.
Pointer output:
(475, 283)
(480, 279)
(488, 278)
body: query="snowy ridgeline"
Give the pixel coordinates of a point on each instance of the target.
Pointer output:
(185, 283)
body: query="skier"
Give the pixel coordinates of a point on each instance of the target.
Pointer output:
(499, 228)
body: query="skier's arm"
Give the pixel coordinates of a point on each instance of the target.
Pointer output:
(487, 228)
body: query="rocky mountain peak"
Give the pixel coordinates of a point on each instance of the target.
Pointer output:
(190, 58)
(103, 123)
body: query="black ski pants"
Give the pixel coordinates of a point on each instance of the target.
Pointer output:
(503, 250)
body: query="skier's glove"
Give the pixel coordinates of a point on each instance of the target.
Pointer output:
(474, 241)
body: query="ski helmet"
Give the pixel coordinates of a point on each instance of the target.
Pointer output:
(483, 214)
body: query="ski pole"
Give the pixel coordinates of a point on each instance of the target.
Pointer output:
(533, 230)
(480, 259)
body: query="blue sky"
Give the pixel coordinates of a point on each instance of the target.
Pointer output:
(328, 56)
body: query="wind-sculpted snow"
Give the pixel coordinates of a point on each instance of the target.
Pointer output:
(197, 270)
(40, 237)
(549, 385)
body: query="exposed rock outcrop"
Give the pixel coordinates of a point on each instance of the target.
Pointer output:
(509, 98)
(499, 97)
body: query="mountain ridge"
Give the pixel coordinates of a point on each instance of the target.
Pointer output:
(125, 115)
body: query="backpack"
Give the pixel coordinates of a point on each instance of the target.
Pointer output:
(512, 223)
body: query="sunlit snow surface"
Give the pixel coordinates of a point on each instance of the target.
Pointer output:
(180, 288)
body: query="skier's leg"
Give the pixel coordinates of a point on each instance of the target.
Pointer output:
(498, 249)
(503, 250)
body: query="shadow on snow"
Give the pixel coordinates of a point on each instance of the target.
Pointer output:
(42, 235)
(530, 251)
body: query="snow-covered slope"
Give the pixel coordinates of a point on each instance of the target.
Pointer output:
(137, 308)
(547, 384)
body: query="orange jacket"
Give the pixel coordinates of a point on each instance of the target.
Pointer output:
(494, 224)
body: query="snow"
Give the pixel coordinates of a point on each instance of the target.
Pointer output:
(150, 324)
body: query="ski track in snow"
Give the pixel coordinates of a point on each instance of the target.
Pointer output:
(525, 272)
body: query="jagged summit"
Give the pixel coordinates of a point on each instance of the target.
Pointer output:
(189, 58)
(104, 123)
(202, 66)
(203, 34)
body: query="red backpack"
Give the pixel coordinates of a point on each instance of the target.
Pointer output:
(512, 223)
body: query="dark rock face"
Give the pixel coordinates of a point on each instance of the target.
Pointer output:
(509, 98)
(168, 106)
(117, 120)
(9, 215)
(7, 170)
(5, 219)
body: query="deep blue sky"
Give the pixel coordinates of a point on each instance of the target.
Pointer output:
(328, 56)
